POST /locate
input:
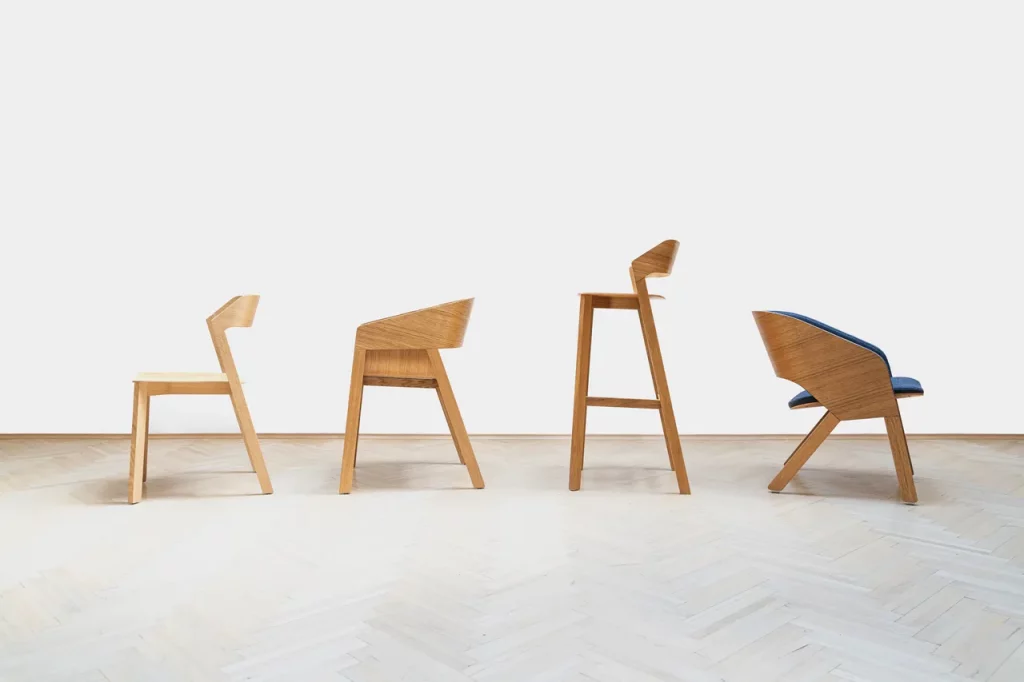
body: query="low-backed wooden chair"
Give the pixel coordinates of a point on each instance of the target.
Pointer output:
(655, 263)
(238, 312)
(403, 351)
(848, 376)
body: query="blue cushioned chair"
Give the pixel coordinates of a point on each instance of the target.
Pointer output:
(850, 377)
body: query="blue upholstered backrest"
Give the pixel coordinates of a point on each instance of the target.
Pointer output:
(841, 334)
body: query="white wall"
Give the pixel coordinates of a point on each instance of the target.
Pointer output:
(858, 162)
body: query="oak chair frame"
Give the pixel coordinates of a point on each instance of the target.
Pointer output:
(656, 262)
(404, 351)
(850, 381)
(238, 312)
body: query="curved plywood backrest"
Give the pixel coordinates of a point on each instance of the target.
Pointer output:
(238, 312)
(850, 380)
(442, 326)
(657, 262)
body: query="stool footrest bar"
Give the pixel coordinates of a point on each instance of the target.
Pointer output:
(640, 403)
(400, 382)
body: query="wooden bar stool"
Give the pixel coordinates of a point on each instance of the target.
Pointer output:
(404, 351)
(849, 377)
(238, 312)
(655, 263)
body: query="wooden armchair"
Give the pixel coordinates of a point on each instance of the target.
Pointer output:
(655, 263)
(403, 351)
(238, 312)
(850, 377)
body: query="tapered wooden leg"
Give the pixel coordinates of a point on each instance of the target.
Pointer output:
(803, 452)
(654, 379)
(901, 459)
(451, 410)
(355, 447)
(145, 449)
(579, 407)
(451, 427)
(668, 417)
(140, 436)
(252, 442)
(355, 408)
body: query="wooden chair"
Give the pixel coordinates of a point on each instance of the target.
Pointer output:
(655, 263)
(238, 312)
(404, 351)
(850, 377)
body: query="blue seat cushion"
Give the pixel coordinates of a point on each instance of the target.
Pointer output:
(900, 386)
(841, 334)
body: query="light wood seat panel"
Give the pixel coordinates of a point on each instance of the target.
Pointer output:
(184, 383)
(619, 295)
(615, 301)
(181, 377)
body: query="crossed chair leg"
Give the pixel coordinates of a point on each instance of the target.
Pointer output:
(821, 431)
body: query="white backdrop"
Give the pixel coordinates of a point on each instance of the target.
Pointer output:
(858, 162)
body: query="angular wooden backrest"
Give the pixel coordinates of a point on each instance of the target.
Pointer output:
(850, 380)
(238, 312)
(442, 326)
(655, 263)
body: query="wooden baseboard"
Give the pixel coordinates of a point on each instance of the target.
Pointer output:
(511, 436)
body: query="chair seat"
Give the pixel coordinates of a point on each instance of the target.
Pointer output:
(903, 387)
(183, 383)
(626, 296)
(617, 301)
(181, 377)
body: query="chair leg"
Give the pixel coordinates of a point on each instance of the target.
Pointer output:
(668, 417)
(455, 423)
(901, 459)
(140, 436)
(654, 379)
(579, 409)
(249, 437)
(451, 427)
(145, 449)
(355, 408)
(803, 452)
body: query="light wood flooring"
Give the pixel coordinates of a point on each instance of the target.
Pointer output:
(416, 576)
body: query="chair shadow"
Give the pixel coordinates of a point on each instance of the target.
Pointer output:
(624, 467)
(115, 491)
(625, 478)
(403, 475)
(837, 482)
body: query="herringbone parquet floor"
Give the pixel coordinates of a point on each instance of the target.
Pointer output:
(416, 576)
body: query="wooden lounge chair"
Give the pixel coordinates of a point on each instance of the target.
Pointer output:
(850, 377)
